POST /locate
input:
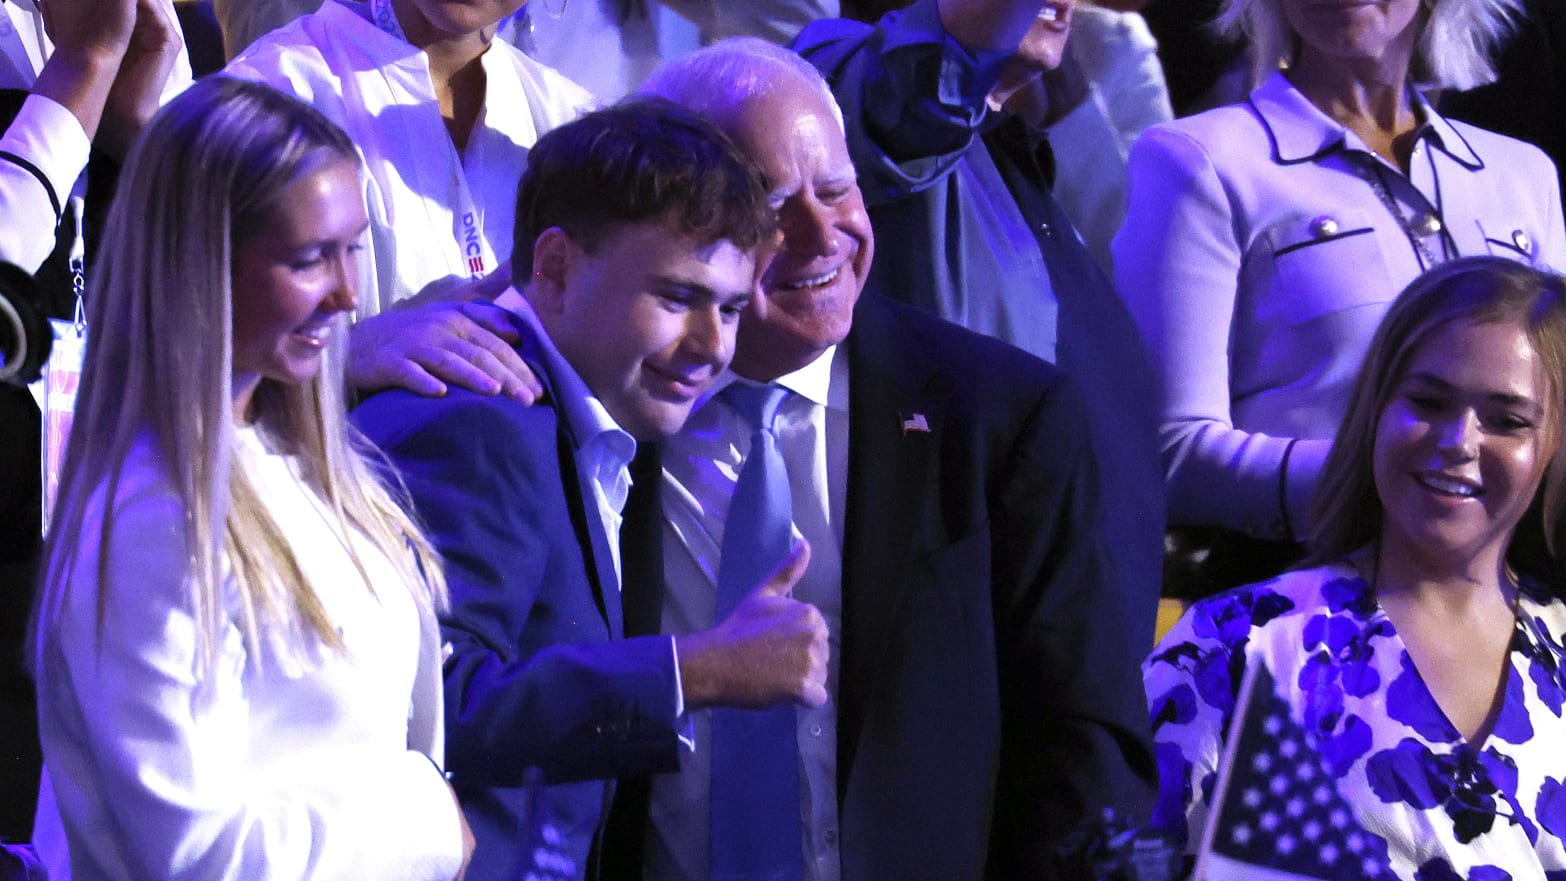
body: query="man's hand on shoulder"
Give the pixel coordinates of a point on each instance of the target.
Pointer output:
(425, 347)
(772, 649)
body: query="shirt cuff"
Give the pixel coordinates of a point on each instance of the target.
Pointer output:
(1299, 479)
(52, 138)
(687, 729)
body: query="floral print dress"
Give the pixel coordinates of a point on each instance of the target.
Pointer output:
(1447, 809)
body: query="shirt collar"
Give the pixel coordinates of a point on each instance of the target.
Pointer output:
(823, 381)
(1444, 135)
(1301, 132)
(586, 417)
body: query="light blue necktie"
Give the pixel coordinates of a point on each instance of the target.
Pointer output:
(755, 821)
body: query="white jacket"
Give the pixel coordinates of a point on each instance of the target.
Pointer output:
(378, 88)
(279, 765)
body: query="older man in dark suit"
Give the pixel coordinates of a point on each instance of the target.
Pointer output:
(984, 693)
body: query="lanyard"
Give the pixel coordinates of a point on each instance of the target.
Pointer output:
(467, 226)
(78, 263)
(385, 18)
(56, 389)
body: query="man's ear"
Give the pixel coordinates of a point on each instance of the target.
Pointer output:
(554, 253)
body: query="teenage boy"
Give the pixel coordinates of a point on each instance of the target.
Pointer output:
(637, 231)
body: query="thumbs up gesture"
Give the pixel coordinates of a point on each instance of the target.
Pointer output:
(771, 649)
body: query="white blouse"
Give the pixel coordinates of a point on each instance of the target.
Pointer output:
(281, 763)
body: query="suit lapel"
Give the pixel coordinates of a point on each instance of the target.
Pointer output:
(894, 431)
(580, 501)
(590, 534)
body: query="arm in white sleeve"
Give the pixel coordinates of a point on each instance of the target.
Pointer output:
(42, 154)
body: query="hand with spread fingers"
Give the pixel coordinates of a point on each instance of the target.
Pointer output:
(425, 347)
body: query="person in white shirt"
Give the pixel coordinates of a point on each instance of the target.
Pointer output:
(444, 115)
(235, 648)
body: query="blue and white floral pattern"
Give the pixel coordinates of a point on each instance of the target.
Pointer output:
(1448, 809)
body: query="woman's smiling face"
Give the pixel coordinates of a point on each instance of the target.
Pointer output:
(1462, 443)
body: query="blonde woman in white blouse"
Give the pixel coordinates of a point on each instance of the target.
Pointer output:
(235, 649)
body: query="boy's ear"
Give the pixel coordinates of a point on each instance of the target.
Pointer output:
(554, 253)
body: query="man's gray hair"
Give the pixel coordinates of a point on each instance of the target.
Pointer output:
(716, 80)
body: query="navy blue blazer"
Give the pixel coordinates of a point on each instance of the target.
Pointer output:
(990, 695)
(540, 675)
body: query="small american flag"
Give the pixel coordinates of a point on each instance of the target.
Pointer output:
(1277, 813)
(915, 422)
(475, 266)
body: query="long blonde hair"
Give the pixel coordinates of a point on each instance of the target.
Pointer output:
(158, 370)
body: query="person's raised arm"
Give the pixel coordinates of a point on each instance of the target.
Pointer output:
(43, 151)
(150, 58)
(913, 86)
(90, 40)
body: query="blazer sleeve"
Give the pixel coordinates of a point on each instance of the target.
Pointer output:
(525, 685)
(1177, 266)
(1074, 736)
(165, 749)
(912, 98)
(1553, 251)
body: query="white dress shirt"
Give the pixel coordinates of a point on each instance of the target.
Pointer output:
(701, 465)
(1126, 94)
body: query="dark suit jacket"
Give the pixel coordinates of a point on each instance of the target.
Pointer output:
(967, 228)
(990, 696)
(539, 676)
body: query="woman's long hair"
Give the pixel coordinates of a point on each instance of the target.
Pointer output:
(1346, 510)
(158, 370)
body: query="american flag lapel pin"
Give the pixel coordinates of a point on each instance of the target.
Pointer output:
(915, 423)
